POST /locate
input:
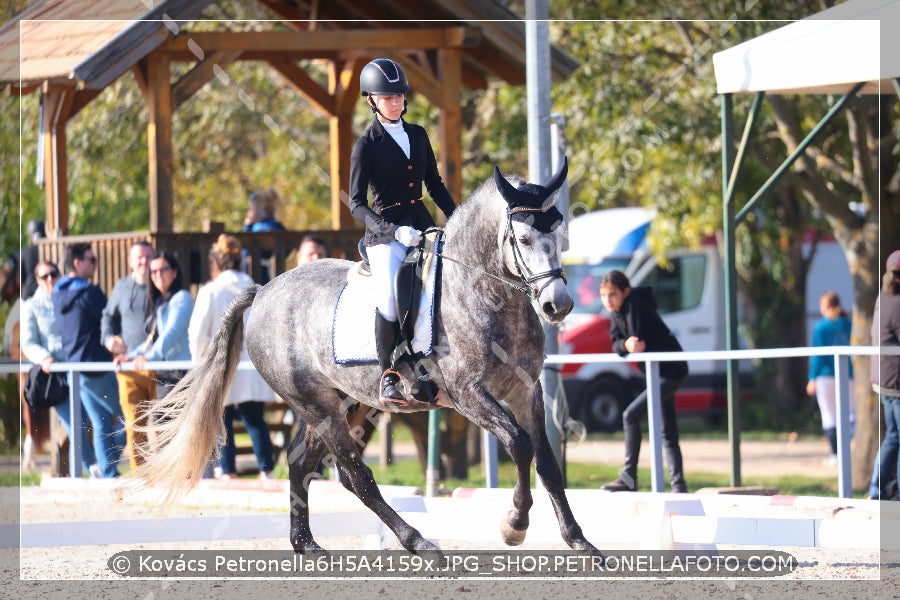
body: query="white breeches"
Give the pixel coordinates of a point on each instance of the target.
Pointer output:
(384, 260)
(825, 395)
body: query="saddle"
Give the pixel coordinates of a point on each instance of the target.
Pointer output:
(416, 302)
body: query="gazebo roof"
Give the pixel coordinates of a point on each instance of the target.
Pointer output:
(89, 43)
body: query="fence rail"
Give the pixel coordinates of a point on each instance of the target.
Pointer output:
(841, 356)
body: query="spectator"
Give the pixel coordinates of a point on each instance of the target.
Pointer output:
(261, 207)
(30, 257)
(167, 312)
(42, 345)
(249, 393)
(832, 330)
(311, 247)
(886, 381)
(78, 305)
(122, 331)
(635, 326)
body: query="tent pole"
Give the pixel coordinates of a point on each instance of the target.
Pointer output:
(728, 224)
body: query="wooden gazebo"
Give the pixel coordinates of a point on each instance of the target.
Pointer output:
(70, 50)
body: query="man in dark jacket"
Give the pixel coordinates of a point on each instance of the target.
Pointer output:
(78, 305)
(635, 326)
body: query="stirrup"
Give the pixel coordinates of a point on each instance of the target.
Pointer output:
(389, 392)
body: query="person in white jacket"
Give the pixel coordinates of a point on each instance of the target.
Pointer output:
(249, 393)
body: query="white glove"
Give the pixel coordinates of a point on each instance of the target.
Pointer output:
(408, 236)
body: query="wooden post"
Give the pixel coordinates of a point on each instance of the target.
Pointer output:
(343, 85)
(57, 107)
(159, 139)
(450, 121)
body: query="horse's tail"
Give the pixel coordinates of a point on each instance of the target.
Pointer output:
(188, 421)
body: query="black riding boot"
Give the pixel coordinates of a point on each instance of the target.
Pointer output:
(676, 473)
(627, 480)
(386, 334)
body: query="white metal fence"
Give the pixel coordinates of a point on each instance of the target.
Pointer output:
(841, 356)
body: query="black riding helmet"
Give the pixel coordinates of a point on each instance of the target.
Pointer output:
(382, 77)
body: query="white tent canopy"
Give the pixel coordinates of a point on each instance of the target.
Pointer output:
(827, 53)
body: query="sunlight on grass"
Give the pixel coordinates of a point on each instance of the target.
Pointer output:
(592, 476)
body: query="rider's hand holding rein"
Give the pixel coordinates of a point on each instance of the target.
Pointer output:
(408, 236)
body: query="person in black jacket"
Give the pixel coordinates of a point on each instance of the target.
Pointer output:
(635, 326)
(394, 158)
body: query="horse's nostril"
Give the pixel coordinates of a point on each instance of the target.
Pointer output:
(548, 308)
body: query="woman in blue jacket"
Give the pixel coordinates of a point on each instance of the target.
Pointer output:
(169, 308)
(832, 330)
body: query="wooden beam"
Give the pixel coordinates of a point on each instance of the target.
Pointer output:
(343, 84)
(424, 82)
(306, 86)
(322, 40)
(57, 107)
(159, 140)
(197, 77)
(450, 121)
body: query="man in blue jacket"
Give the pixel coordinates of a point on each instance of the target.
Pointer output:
(79, 305)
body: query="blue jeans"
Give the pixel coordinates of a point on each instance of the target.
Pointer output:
(100, 398)
(887, 465)
(252, 414)
(64, 412)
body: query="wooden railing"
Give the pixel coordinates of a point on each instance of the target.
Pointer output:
(192, 251)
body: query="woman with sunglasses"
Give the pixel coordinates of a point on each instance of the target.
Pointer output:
(42, 345)
(169, 308)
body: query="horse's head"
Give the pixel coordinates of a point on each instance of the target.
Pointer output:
(531, 242)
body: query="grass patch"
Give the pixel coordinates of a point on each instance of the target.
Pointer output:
(592, 476)
(12, 479)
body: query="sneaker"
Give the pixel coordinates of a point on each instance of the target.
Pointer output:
(95, 472)
(619, 486)
(266, 476)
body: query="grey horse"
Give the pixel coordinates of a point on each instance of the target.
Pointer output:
(498, 275)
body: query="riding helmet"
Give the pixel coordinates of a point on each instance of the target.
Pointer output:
(382, 77)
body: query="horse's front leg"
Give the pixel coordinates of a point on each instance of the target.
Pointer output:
(486, 412)
(551, 476)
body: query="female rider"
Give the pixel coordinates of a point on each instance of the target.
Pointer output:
(394, 158)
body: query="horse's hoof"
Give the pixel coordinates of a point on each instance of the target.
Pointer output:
(308, 547)
(585, 547)
(510, 536)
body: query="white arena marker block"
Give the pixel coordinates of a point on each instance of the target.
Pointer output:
(657, 527)
(413, 511)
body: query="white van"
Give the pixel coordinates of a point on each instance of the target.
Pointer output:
(690, 292)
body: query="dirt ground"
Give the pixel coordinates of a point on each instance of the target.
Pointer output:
(82, 572)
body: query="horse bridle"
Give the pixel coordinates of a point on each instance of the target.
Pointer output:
(525, 274)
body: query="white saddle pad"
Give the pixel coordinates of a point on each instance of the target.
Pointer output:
(353, 329)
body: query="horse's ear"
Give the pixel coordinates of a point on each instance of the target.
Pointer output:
(506, 188)
(557, 180)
